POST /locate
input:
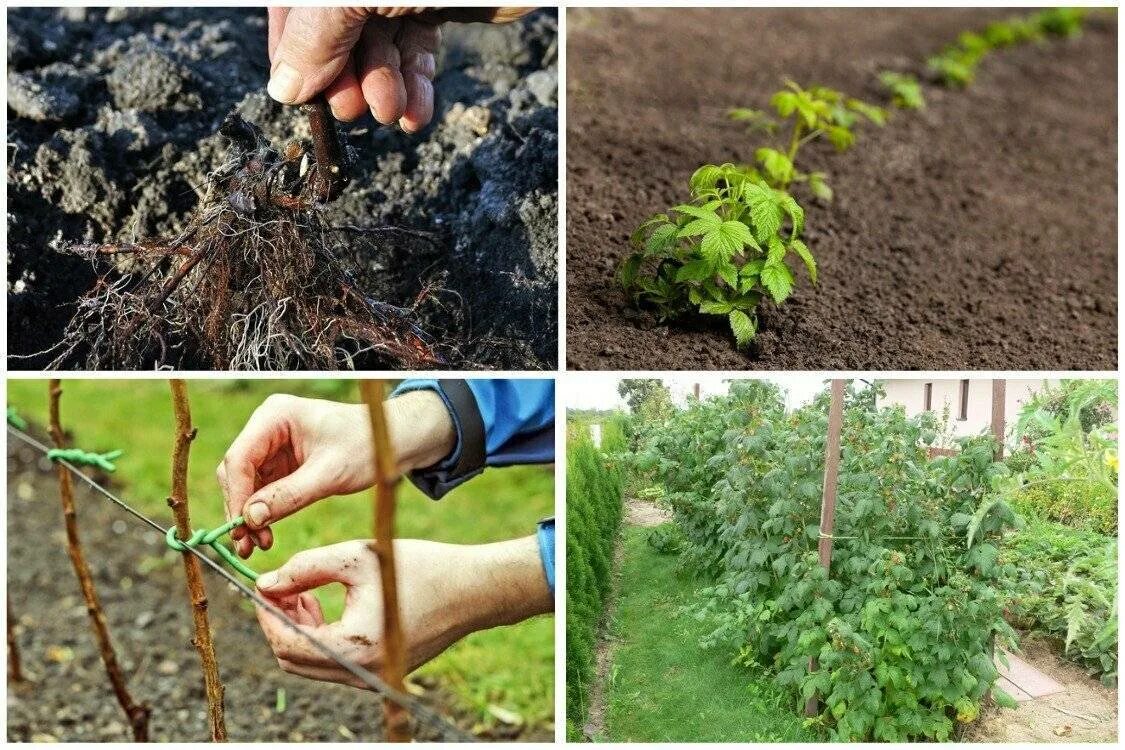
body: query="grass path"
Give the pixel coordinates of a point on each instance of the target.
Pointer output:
(661, 687)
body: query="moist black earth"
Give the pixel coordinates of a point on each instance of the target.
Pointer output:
(144, 597)
(112, 128)
(980, 233)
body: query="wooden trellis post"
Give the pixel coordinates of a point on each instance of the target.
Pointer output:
(828, 499)
(395, 718)
(999, 396)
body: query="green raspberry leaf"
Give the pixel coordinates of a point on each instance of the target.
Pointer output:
(805, 254)
(778, 281)
(715, 308)
(742, 326)
(764, 210)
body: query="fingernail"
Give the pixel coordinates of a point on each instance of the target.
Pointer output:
(258, 514)
(285, 83)
(267, 580)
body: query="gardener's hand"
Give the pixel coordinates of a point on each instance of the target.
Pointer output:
(295, 451)
(445, 592)
(380, 59)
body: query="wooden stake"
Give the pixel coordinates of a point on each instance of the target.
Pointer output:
(178, 502)
(828, 500)
(137, 714)
(999, 396)
(395, 717)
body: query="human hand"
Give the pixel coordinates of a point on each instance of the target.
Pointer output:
(445, 592)
(380, 59)
(294, 451)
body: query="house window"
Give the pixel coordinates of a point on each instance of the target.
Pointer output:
(928, 396)
(964, 413)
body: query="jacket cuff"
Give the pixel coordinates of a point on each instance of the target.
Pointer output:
(468, 456)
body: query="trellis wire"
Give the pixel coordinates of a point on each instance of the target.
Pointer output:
(417, 709)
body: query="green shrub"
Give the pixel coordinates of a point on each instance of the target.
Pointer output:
(1066, 587)
(1079, 504)
(902, 628)
(593, 515)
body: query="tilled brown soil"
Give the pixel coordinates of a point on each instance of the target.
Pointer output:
(978, 234)
(142, 591)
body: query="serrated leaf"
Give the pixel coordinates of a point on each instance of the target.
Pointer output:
(796, 215)
(776, 252)
(742, 326)
(778, 167)
(805, 254)
(841, 137)
(722, 242)
(661, 238)
(778, 281)
(627, 274)
(704, 178)
(819, 188)
(785, 102)
(764, 211)
(696, 211)
(699, 226)
(696, 270)
(715, 308)
(875, 114)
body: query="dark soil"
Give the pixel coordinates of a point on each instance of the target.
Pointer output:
(980, 233)
(112, 127)
(142, 591)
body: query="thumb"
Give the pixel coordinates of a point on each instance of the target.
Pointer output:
(312, 568)
(314, 47)
(286, 496)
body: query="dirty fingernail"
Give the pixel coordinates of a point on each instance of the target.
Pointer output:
(258, 514)
(285, 83)
(267, 580)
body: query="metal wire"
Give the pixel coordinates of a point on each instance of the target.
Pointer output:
(417, 709)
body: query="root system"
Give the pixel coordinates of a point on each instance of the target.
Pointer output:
(255, 281)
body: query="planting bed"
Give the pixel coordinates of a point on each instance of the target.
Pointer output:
(144, 597)
(978, 233)
(113, 120)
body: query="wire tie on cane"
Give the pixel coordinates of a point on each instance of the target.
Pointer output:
(211, 539)
(79, 457)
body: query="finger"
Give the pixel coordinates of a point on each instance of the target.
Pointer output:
(293, 646)
(344, 563)
(417, 43)
(313, 49)
(308, 610)
(379, 74)
(259, 439)
(344, 96)
(286, 496)
(324, 674)
(476, 15)
(276, 18)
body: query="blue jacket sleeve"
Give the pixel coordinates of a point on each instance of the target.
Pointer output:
(499, 422)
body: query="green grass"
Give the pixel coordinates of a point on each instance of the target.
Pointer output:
(510, 667)
(662, 686)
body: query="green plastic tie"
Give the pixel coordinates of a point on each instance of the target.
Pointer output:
(15, 420)
(211, 539)
(79, 457)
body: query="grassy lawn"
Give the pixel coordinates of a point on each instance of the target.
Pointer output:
(510, 667)
(662, 686)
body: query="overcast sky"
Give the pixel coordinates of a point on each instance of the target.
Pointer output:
(598, 391)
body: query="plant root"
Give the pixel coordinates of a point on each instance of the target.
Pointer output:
(255, 281)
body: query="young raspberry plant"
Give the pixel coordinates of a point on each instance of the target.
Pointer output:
(812, 113)
(721, 253)
(905, 91)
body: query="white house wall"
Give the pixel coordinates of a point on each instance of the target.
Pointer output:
(910, 394)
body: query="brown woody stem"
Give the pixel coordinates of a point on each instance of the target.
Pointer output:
(15, 672)
(137, 714)
(395, 717)
(331, 172)
(212, 683)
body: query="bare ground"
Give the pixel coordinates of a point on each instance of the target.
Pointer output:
(1086, 711)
